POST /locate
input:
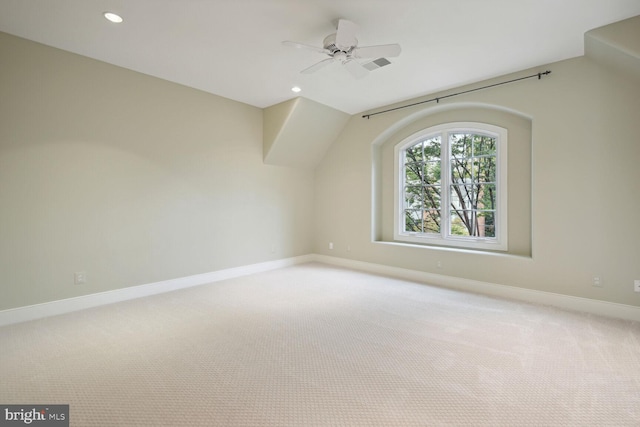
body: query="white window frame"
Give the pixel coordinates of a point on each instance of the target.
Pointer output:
(500, 241)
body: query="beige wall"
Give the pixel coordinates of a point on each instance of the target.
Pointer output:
(131, 179)
(585, 181)
(135, 180)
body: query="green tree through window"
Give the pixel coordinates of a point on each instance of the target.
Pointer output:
(450, 186)
(473, 184)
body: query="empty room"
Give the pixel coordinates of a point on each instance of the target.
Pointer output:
(319, 213)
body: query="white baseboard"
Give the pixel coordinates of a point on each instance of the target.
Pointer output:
(602, 308)
(53, 308)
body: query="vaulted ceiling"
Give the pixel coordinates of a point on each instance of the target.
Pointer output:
(233, 48)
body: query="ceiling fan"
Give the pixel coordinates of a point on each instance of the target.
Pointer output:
(342, 47)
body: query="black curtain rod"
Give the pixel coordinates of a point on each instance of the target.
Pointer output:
(538, 75)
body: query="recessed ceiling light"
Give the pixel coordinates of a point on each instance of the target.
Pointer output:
(113, 17)
(296, 89)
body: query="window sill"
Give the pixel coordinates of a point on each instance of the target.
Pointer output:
(490, 245)
(434, 247)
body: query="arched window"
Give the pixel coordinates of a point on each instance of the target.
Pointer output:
(451, 186)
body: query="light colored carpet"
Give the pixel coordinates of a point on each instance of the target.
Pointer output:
(314, 345)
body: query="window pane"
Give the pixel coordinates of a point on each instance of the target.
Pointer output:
(413, 198)
(486, 224)
(462, 171)
(432, 197)
(463, 196)
(414, 153)
(413, 221)
(461, 145)
(485, 197)
(413, 173)
(432, 149)
(431, 221)
(486, 169)
(461, 222)
(473, 223)
(484, 145)
(432, 173)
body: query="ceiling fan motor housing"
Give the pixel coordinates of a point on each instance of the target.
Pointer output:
(329, 43)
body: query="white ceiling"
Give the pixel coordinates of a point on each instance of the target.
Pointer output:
(233, 48)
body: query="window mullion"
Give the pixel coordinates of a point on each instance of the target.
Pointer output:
(445, 167)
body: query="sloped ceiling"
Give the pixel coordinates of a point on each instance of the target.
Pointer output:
(616, 45)
(297, 133)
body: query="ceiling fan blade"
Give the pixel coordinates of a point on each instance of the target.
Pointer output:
(356, 70)
(318, 65)
(346, 34)
(382, 51)
(305, 46)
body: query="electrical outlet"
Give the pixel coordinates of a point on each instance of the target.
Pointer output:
(80, 278)
(439, 264)
(597, 281)
(331, 245)
(636, 285)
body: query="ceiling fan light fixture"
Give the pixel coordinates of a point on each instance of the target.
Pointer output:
(113, 17)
